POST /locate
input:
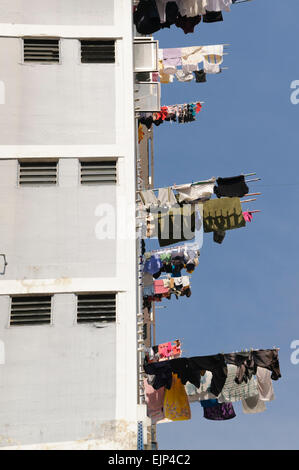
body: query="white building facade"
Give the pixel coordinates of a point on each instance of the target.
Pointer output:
(68, 295)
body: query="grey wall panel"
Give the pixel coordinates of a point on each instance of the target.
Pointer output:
(56, 104)
(58, 382)
(50, 232)
(60, 12)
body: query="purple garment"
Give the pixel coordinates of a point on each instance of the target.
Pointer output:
(153, 265)
(172, 57)
(219, 412)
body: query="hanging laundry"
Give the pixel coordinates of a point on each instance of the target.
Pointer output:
(219, 411)
(154, 400)
(166, 197)
(153, 264)
(160, 288)
(164, 350)
(180, 113)
(248, 361)
(211, 68)
(264, 384)
(222, 214)
(212, 17)
(152, 15)
(140, 133)
(189, 369)
(218, 5)
(148, 284)
(218, 236)
(176, 404)
(176, 225)
(247, 216)
(169, 350)
(184, 76)
(146, 17)
(234, 186)
(203, 392)
(253, 405)
(148, 198)
(200, 76)
(172, 58)
(232, 392)
(199, 191)
(187, 24)
(164, 77)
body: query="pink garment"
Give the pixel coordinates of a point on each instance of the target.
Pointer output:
(247, 216)
(155, 402)
(159, 287)
(165, 349)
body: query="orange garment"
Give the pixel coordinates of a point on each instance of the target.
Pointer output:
(140, 133)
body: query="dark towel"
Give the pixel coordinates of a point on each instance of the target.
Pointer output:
(234, 186)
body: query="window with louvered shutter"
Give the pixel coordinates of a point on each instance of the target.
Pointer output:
(41, 50)
(98, 172)
(30, 310)
(37, 173)
(97, 51)
(96, 308)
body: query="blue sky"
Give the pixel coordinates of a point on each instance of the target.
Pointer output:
(245, 291)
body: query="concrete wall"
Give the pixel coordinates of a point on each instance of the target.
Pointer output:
(63, 104)
(67, 382)
(68, 12)
(50, 231)
(58, 382)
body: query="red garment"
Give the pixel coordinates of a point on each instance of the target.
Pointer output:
(159, 287)
(198, 107)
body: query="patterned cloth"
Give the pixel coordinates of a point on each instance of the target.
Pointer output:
(176, 405)
(232, 392)
(219, 412)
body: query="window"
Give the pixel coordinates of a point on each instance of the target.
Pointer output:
(41, 50)
(98, 172)
(96, 308)
(37, 173)
(97, 51)
(30, 310)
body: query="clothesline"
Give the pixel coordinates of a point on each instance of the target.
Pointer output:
(199, 182)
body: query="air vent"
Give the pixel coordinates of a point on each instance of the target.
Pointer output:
(30, 310)
(37, 173)
(98, 172)
(97, 52)
(96, 308)
(41, 50)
